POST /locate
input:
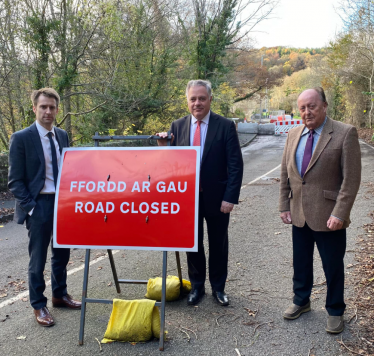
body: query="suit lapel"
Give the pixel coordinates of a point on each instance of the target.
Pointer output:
(59, 139)
(186, 129)
(212, 130)
(293, 147)
(322, 142)
(38, 144)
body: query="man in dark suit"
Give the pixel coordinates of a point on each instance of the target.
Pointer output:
(34, 155)
(221, 176)
(320, 178)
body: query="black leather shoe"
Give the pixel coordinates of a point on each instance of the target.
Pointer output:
(221, 298)
(195, 296)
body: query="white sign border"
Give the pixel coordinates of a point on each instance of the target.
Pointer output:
(175, 148)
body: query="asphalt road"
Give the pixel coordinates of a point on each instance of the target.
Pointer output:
(259, 283)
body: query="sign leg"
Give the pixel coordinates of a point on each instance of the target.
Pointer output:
(84, 295)
(163, 300)
(115, 277)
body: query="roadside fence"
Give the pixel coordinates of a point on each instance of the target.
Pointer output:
(282, 127)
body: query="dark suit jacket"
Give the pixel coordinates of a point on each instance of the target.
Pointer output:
(27, 167)
(222, 163)
(331, 181)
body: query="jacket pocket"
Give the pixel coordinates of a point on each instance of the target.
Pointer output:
(329, 194)
(290, 195)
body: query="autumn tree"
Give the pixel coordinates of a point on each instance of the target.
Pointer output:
(221, 26)
(353, 56)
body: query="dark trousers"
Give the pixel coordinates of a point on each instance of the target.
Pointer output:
(40, 227)
(331, 246)
(218, 251)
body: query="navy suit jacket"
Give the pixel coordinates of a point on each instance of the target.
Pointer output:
(221, 171)
(27, 167)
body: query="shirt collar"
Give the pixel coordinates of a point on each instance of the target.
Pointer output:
(205, 120)
(43, 131)
(318, 130)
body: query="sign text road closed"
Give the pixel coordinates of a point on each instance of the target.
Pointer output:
(131, 198)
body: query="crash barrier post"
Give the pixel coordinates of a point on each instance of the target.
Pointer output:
(282, 127)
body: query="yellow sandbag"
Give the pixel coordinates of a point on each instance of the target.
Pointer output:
(154, 288)
(186, 285)
(133, 321)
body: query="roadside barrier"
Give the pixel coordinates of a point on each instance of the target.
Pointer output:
(282, 127)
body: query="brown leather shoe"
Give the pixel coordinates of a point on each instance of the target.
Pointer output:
(66, 302)
(43, 317)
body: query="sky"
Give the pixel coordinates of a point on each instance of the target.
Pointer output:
(299, 23)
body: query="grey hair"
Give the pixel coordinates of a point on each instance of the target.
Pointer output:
(199, 82)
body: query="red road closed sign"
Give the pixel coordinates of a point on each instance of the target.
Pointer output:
(128, 198)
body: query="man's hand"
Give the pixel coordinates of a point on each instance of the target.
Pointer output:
(286, 217)
(334, 223)
(226, 207)
(164, 141)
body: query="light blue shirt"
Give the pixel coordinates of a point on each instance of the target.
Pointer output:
(301, 147)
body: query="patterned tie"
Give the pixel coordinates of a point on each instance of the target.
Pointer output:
(307, 153)
(197, 136)
(54, 158)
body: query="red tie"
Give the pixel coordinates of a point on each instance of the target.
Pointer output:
(197, 136)
(197, 142)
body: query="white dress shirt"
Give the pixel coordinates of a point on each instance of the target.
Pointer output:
(49, 185)
(203, 130)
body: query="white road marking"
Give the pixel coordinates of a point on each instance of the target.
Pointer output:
(26, 293)
(70, 272)
(274, 169)
(366, 144)
(264, 175)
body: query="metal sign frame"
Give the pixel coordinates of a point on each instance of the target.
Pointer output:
(110, 244)
(97, 138)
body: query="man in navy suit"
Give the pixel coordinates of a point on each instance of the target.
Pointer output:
(34, 156)
(221, 176)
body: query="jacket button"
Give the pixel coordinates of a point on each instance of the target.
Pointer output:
(304, 182)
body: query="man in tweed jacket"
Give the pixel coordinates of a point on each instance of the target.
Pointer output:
(320, 178)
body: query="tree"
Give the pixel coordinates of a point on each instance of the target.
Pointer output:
(14, 71)
(354, 53)
(221, 26)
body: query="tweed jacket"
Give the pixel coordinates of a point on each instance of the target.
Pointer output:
(331, 181)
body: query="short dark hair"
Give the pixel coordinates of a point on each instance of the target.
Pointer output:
(48, 92)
